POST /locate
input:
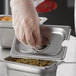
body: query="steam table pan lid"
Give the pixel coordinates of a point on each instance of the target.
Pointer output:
(55, 50)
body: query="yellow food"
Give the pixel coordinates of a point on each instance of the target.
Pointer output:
(5, 18)
(35, 62)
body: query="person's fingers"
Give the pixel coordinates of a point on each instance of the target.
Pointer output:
(36, 32)
(45, 34)
(22, 35)
(37, 38)
(28, 32)
(16, 29)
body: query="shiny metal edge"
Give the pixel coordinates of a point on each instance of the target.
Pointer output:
(21, 66)
(67, 29)
(35, 70)
(60, 56)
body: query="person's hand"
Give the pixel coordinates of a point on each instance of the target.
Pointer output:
(45, 34)
(26, 22)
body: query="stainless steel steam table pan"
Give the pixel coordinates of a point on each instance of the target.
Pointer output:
(19, 69)
(7, 32)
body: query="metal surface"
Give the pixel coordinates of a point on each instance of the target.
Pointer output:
(62, 69)
(6, 37)
(30, 68)
(7, 7)
(6, 24)
(7, 32)
(75, 16)
(19, 69)
(55, 51)
(26, 69)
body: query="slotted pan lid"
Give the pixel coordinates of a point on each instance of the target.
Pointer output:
(54, 51)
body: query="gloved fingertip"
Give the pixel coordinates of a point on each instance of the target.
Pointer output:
(38, 47)
(31, 46)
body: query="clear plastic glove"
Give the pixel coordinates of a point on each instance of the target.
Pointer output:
(45, 32)
(26, 22)
(45, 35)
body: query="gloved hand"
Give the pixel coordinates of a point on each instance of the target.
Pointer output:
(45, 35)
(45, 32)
(26, 22)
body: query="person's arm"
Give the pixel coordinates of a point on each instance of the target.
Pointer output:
(26, 22)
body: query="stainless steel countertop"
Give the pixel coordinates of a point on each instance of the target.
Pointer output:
(65, 69)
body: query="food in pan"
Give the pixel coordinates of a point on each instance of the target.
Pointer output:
(5, 18)
(35, 62)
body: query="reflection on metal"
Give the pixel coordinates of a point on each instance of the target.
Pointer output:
(75, 16)
(7, 7)
(46, 6)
